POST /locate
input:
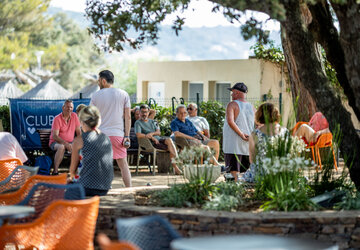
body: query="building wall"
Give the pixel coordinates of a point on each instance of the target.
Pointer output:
(258, 75)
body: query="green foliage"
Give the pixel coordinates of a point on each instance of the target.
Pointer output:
(269, 53)
(22, 16)
(214, 112)
(67, 49)
(13, 51)
(351, 201)
(285, 198)
(5, 117)
(227, 196)
(327, 179)
(126, 76)
(191, 194)
(164, 118)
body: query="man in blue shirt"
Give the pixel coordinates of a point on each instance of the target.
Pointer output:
(183, 127)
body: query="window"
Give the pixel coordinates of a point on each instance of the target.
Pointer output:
(156, 90)
(195, 88)
(222, 93)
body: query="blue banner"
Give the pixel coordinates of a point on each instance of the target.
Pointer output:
(27, 116)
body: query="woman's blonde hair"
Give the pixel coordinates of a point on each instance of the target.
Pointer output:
(267, 113)
(90, 115)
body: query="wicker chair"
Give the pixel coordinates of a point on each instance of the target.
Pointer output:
(63, 225)
(106, 244)
(148, 232)
(17, 178)
(146, 147)
(42, 194)
(19, 195)
(7, 166)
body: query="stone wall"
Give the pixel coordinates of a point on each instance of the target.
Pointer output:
(341, 228)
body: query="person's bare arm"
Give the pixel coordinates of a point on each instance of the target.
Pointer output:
(179, 134)
(59, 140)
(152, 114)
(75, 158)
(230, 117)
(127, 126)
(251, 148)
(78, 131)
(206, 133)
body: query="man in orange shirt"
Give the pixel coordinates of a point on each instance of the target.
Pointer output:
(62, 133)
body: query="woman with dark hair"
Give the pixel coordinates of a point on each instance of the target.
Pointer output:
(268, 117)
(94, 150)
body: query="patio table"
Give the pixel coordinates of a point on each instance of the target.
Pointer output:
(249, 242)
(14, 212)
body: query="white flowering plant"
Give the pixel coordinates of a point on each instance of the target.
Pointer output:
(281, 163)
(195, 162)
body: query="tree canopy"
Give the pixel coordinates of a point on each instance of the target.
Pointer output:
(305, 25)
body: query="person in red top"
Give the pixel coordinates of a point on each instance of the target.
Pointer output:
(317, 125)
(62, 132)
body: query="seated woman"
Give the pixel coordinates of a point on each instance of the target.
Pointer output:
(317, 126)
(268, 117)
(94, 150)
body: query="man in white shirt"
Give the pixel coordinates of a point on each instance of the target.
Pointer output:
(202, 125)
(10, 148)
(114, 106)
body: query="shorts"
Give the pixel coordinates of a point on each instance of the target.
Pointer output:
(238, 163)
(162, 145)
(52, 145)
(93, 192)
(200, 138)
(119, 151)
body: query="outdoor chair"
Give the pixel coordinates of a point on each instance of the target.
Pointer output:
(324, 141)
(148, 232)
(19, 195)
(17, 178)
(106, 244)
(146, 147)
(181, 142)
(44, 139)
(43, 194)
(7, 166)
(297, 125)
(63, 225)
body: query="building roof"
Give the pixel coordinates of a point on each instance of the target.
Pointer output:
(48, 89)
(87, 91)
(8, 89)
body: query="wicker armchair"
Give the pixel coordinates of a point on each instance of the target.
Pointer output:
(19, 195)
(63, 225)
(17, 178)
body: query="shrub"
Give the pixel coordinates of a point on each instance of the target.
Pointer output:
(5, 117)
(227, 196)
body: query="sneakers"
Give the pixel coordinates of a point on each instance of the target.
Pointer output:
(223, 168)
(55, 173)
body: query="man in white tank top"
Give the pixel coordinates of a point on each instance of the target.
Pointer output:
(238, 125)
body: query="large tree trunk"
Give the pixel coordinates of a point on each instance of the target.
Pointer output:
(310, 73)
(348, 15)
(325, 33)
(305, 104)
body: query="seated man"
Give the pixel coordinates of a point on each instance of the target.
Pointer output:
(182, 127)
(317, 126)
(10, 148)
(62, 133)
(147, 128)
(202, 125)
(135, 115)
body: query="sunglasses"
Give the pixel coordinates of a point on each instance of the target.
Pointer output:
(190, 109)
